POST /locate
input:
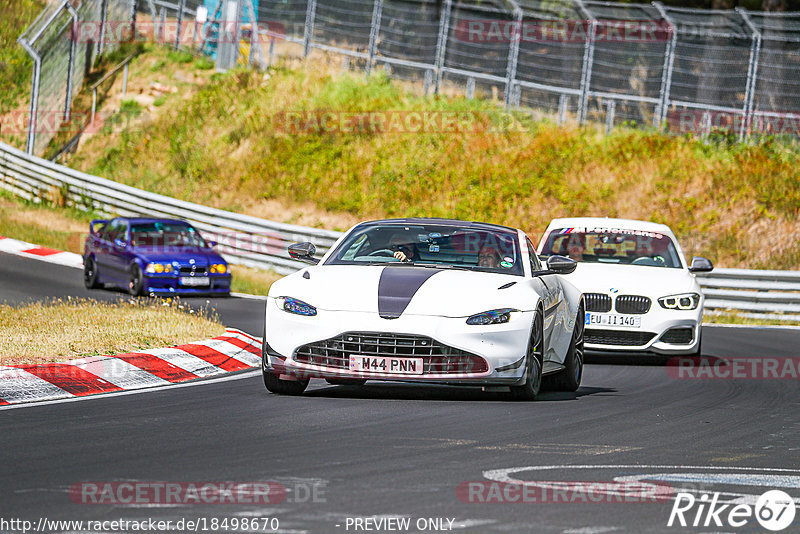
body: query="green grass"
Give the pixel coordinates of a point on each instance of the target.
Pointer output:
(226, 144)
(736, 318)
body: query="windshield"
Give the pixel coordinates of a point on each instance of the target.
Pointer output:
(446, 246)
(166, 234)
(608, 245)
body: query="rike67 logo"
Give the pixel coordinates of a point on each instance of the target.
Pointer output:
(774, 510)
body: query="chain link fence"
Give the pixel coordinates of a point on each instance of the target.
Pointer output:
(643, 65)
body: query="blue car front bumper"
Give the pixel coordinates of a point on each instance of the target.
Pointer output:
(218, 284)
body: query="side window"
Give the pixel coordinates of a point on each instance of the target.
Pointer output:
(108, 231)
(122, 231)
(534, 259)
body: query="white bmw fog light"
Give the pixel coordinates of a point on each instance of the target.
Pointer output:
(503, 315)
(685, 301)
(296, 306)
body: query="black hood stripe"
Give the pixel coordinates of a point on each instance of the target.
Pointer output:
(397, 287)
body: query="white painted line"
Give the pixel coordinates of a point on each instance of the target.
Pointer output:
(248, 296)
(238, 376)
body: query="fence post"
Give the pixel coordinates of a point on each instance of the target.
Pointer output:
(666, 70)
(35, 76)
(311, 12)
(563, 103)
(610, 111)
(375, 27)
(179, 23)
(133, 19)
(71, 62)
(441, 42)
(513, 56)
(103, 16)
(752, 74)
(588, 60)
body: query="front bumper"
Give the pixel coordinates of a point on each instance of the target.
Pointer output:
(500, 346)
(219, 284)
(665, 332)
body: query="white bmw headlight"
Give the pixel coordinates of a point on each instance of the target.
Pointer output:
(295, 306)
(684, 301)
(503, 315)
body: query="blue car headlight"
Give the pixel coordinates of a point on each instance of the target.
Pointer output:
(296, 306)
(503, 315)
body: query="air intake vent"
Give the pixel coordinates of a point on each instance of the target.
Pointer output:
(617, 337)
(678, 336)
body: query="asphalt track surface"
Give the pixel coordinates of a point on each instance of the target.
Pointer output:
(401, 451)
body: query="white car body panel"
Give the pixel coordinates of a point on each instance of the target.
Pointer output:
(615, 280)
(346, 300)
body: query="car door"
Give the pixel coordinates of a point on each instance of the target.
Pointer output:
(548, 286)
(119, 257)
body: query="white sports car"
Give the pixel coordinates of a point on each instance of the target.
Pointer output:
(430, 301)
(640, 294)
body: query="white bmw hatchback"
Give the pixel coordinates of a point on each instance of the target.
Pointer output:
(640, 293)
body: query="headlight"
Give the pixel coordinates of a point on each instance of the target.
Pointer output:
(158, 268)
(503, 315)
(219, 268)
(296, 306)
(684, 301)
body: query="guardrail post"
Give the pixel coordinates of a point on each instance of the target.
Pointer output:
(35, 79)
(375, 28)
(179, 23)
(441, 42)
(308, 37)
(610, 111)
(470, 88)
(563, 103)
(428, 80)
(666, 70)
(513, 56)
(752, 74)
(588, 61)
(125, 78)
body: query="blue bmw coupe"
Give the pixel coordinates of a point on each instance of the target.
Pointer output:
(153, 256)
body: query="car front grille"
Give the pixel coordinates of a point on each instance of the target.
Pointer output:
(678, 336)
(634, 304)
(617, 337)
(597, 302)
(192, 271)
(436, 357)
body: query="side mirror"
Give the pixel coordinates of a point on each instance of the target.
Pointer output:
(701, 265)
(211, 244)
(304, 252)
(121, 243)
(561, 264)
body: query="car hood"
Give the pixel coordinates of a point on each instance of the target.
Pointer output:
(407, 290)
(653, 282)
(201, 256)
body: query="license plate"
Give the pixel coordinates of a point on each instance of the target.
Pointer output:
(381, 364)
(607, 319)
(195, 281)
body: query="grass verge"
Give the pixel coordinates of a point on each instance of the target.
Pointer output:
(229, 144)
(65, 329)
(736, 318)
(252, 281)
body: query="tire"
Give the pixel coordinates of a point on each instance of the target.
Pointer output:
(533, 363)
(136, 281)
(569, 379)
(275, 384)
(90, 273)
(346, 381)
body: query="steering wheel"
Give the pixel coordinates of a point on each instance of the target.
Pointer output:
(382, 252)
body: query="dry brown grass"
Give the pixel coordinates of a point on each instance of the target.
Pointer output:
(65, 329)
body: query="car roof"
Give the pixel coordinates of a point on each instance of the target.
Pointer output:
(139, 220)
(608, 222)
(443, 222)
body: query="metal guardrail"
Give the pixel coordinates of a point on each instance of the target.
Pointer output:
(260, 243)
(242, 239)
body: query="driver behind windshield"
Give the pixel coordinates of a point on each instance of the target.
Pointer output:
(403, 247)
